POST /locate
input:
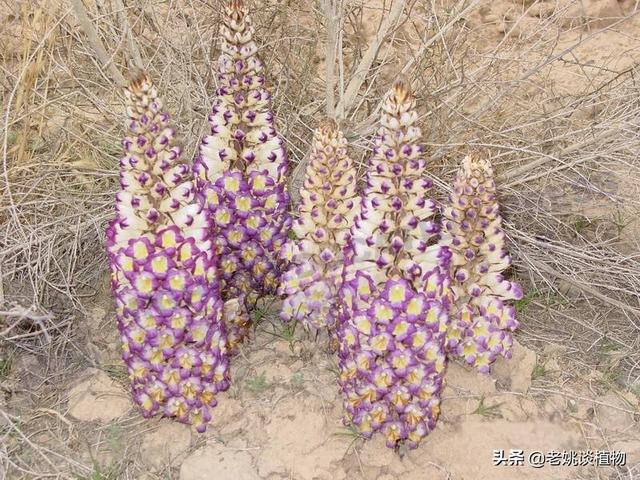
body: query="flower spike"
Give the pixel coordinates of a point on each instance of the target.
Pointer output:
(241, 171)
(326, 213)
(163, 271)
(395, 289)
(481, 318)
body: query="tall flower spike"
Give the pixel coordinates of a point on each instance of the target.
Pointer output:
(163, 271)
(481, 318)
(326, 213)
(395, 290)
(241, 171)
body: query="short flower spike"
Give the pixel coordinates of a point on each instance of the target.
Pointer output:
(395, 290)
(326, 212)
(481, 318)
(163, 272)
(241, 172)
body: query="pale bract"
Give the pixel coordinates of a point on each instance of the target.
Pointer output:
(395, 289)
(163, 270)
(328, 206)
(241, 176)
(481, 317)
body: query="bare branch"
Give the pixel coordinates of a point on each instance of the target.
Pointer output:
(96, 43)
(332, 12)
(126, 27)
(362, 70)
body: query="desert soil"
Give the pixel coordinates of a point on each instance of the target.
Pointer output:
(282, 420)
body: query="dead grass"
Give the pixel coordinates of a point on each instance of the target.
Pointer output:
(560, 121)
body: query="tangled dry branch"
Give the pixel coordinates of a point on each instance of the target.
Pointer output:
(566, 155)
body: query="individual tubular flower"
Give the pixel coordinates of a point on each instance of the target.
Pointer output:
(395, 290)
(326, 213)
(481, 318)
(241, 171)
(163, 271)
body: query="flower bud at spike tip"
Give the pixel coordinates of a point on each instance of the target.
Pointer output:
(325, 214)
(241, 176)
(163, 270)
(393, 317)
(481, 317)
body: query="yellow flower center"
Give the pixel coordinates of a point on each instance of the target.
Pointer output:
(159, 265)
(140, 251)
(380, 343)
(415, 306)
(144, 284)
(397, 294)
(231, 184)
(363, 324)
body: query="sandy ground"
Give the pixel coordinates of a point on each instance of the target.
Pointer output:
(282, 420)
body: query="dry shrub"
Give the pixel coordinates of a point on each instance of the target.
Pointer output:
(566, 157)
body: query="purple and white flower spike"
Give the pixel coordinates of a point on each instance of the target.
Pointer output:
(394, 319)
(325, 215)
(481, 317)
(163, 272)
(241, 172)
